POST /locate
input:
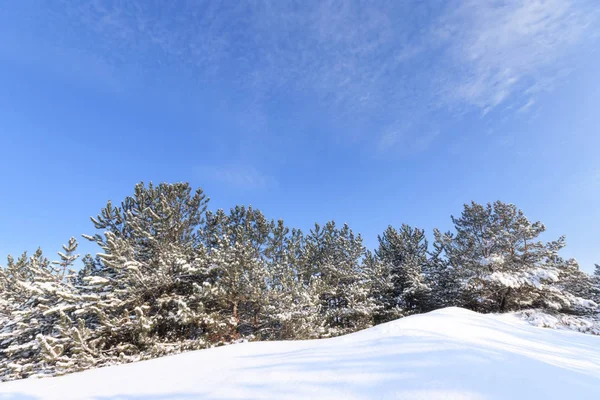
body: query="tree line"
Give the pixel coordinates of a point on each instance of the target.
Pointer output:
(174, 276)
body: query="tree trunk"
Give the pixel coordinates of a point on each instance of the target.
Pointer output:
(236, 317)
(504, 301)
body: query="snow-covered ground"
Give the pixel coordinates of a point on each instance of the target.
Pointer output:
(562, 321)
(447, 354)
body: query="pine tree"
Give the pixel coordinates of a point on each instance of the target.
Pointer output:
(332, 262)
(405, 252)
(573, 291)
(237, 243)
(155, 272)
(500, 264)
(381, 290)
(442, 278)
(41, 303)
(595, 278)
(292, 309)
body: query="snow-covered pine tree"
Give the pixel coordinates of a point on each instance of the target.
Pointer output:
(441, 277)
(405, 252)
(332, 260)
(236, 244)
(153, 276)
(573, 291)
(280, 255)
(292, 304)
(596, 283)
(42, 304)
(381, 289)
(501, 264)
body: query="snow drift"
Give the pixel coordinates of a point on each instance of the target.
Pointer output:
(447, 354)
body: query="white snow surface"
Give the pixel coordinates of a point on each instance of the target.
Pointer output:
(446, 354)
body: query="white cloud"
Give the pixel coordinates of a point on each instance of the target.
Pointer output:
(525, 107)
(499, 50)
(364, 64)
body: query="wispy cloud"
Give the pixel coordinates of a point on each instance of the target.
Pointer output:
(525, 107)
(391, 136)
(366, 64)
(402, 137)
(241, 177)
(498, 51)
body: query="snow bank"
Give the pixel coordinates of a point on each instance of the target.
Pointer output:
(447, 354)
(561, 321)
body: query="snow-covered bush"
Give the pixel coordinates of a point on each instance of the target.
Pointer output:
(584, 324)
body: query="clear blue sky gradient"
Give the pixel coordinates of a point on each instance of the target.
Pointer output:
(370, 113)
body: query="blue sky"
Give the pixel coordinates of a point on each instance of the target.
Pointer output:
(370, 113)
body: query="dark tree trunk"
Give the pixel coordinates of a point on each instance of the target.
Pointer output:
(504, 301)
